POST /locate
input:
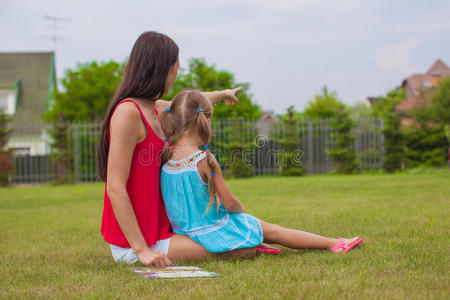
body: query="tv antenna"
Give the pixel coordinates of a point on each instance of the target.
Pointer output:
(54, 23)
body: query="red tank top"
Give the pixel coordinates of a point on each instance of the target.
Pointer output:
(143, 190)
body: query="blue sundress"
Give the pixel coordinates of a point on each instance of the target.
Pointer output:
(186, 198)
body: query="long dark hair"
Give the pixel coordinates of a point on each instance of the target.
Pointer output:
(145, 74)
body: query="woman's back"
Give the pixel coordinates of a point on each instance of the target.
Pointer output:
(143, 190)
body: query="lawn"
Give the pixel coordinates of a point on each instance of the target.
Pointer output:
(51, 246)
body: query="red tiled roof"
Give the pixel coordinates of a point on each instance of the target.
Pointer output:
(408, 104)
(416, 82)
(439, 68)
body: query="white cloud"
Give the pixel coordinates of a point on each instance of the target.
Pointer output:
(397, 57)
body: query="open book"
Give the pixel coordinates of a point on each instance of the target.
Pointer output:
(172, 272)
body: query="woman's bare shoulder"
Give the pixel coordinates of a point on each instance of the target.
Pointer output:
(126, 120)
(126, 111)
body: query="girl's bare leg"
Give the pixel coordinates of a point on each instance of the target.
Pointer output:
(292, 238)
(183, 248)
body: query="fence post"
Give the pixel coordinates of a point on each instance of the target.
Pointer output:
(76, 153)
(310, 147)
(381, 125)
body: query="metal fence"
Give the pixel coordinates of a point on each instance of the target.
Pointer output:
(261, 141)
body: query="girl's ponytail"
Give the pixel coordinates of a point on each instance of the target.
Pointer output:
(211, 181)
(168, 130)
(204, 132)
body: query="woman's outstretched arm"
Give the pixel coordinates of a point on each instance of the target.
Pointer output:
(229, 96)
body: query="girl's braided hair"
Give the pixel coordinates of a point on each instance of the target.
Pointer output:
(189, 109)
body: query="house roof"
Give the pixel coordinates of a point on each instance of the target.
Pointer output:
(36, 73)
(373, 100)
(409, 104)
(417, 84)
(439, 68)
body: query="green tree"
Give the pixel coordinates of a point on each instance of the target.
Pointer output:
(238, 148)
(394, 142)
(426, 140)
(386, 105)
(289, 158)
(343, 153)
(324, 105)
(441, 107)
(87, 92)
(441, 102)
(204, 76)
(394, 136)
(361, 110)
(296, 115)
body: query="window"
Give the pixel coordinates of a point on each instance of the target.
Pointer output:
(3, 102)
(427, 83)
(18, 151)
(8, 101)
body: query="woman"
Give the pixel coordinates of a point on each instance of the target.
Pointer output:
(134, 219)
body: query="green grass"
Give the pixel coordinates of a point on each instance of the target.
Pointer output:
(51, 246)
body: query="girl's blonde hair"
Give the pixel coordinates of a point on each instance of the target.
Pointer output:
(189, 109)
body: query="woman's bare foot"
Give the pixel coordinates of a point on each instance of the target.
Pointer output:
(346, 241)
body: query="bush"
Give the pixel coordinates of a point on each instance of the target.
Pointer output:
(343, 153)
(289, 161)
(426, 146)
(237, 160)
(394, 141)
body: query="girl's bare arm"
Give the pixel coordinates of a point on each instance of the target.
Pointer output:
(228, 200)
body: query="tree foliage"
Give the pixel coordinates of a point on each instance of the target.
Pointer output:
(394, 142)
(89, 88)
(386, 105)
(238, 157)
(394, 136)
(342, 150)
(427, 144)
(290, 158)
(325, 105)
(441, 102)
(87, 92)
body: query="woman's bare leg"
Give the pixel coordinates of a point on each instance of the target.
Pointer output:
(183, 248)
(292, 238)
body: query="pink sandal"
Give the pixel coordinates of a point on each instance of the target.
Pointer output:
(265, 250)
(344, 246)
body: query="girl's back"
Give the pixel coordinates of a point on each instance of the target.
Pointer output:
(186, 197)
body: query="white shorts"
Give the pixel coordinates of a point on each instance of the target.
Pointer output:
(128, 256)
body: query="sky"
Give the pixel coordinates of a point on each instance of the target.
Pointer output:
(287, 50)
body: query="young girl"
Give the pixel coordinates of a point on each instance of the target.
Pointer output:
(192, 183)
